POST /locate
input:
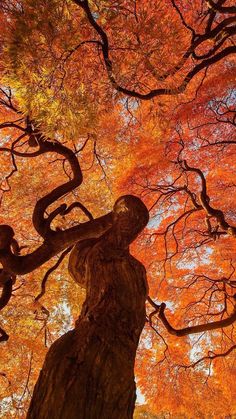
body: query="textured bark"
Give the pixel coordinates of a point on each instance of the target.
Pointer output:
(89, 372)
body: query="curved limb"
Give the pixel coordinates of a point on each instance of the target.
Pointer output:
(54, 241)
(54, 244)
(196, 41)
(205, 200)
(219, 324)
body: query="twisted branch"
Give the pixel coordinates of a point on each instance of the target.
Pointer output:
(54, 241)
(197, 39)
(160, 310)
(205, 201)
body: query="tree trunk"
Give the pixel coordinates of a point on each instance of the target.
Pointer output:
(89, 372)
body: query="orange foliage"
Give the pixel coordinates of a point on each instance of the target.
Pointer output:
(52, 61)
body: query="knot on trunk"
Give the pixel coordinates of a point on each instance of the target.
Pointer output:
(129, 217)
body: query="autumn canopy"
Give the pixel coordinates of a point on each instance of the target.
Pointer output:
(101, 100)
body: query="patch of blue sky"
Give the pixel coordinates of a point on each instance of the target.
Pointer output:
(229, 99)
(169, 178)
(95, 15)
(64, 311)
(146, 342)
(6, 407)
(170, 305)
(130, 105)
(232, 100)
(203, 259)
(133, 103)
(4, 139)
(198, 342)
(155, 221)
(160, 214)
(195, 145)
(140, 397)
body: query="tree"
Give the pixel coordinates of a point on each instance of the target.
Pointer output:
(163, 109)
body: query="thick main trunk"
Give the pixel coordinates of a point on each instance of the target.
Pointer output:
(89, 372)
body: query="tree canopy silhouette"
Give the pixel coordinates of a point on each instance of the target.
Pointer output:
(108, 109)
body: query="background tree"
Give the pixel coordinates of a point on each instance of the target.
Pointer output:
(163, 108)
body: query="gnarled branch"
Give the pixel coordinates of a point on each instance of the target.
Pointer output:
(54, 241)
(197, 40)
(219, 324)
(221, 9)
(205, 200)
(54, 244)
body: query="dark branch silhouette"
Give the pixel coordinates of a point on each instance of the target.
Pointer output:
(221, 31)
(160, 311)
